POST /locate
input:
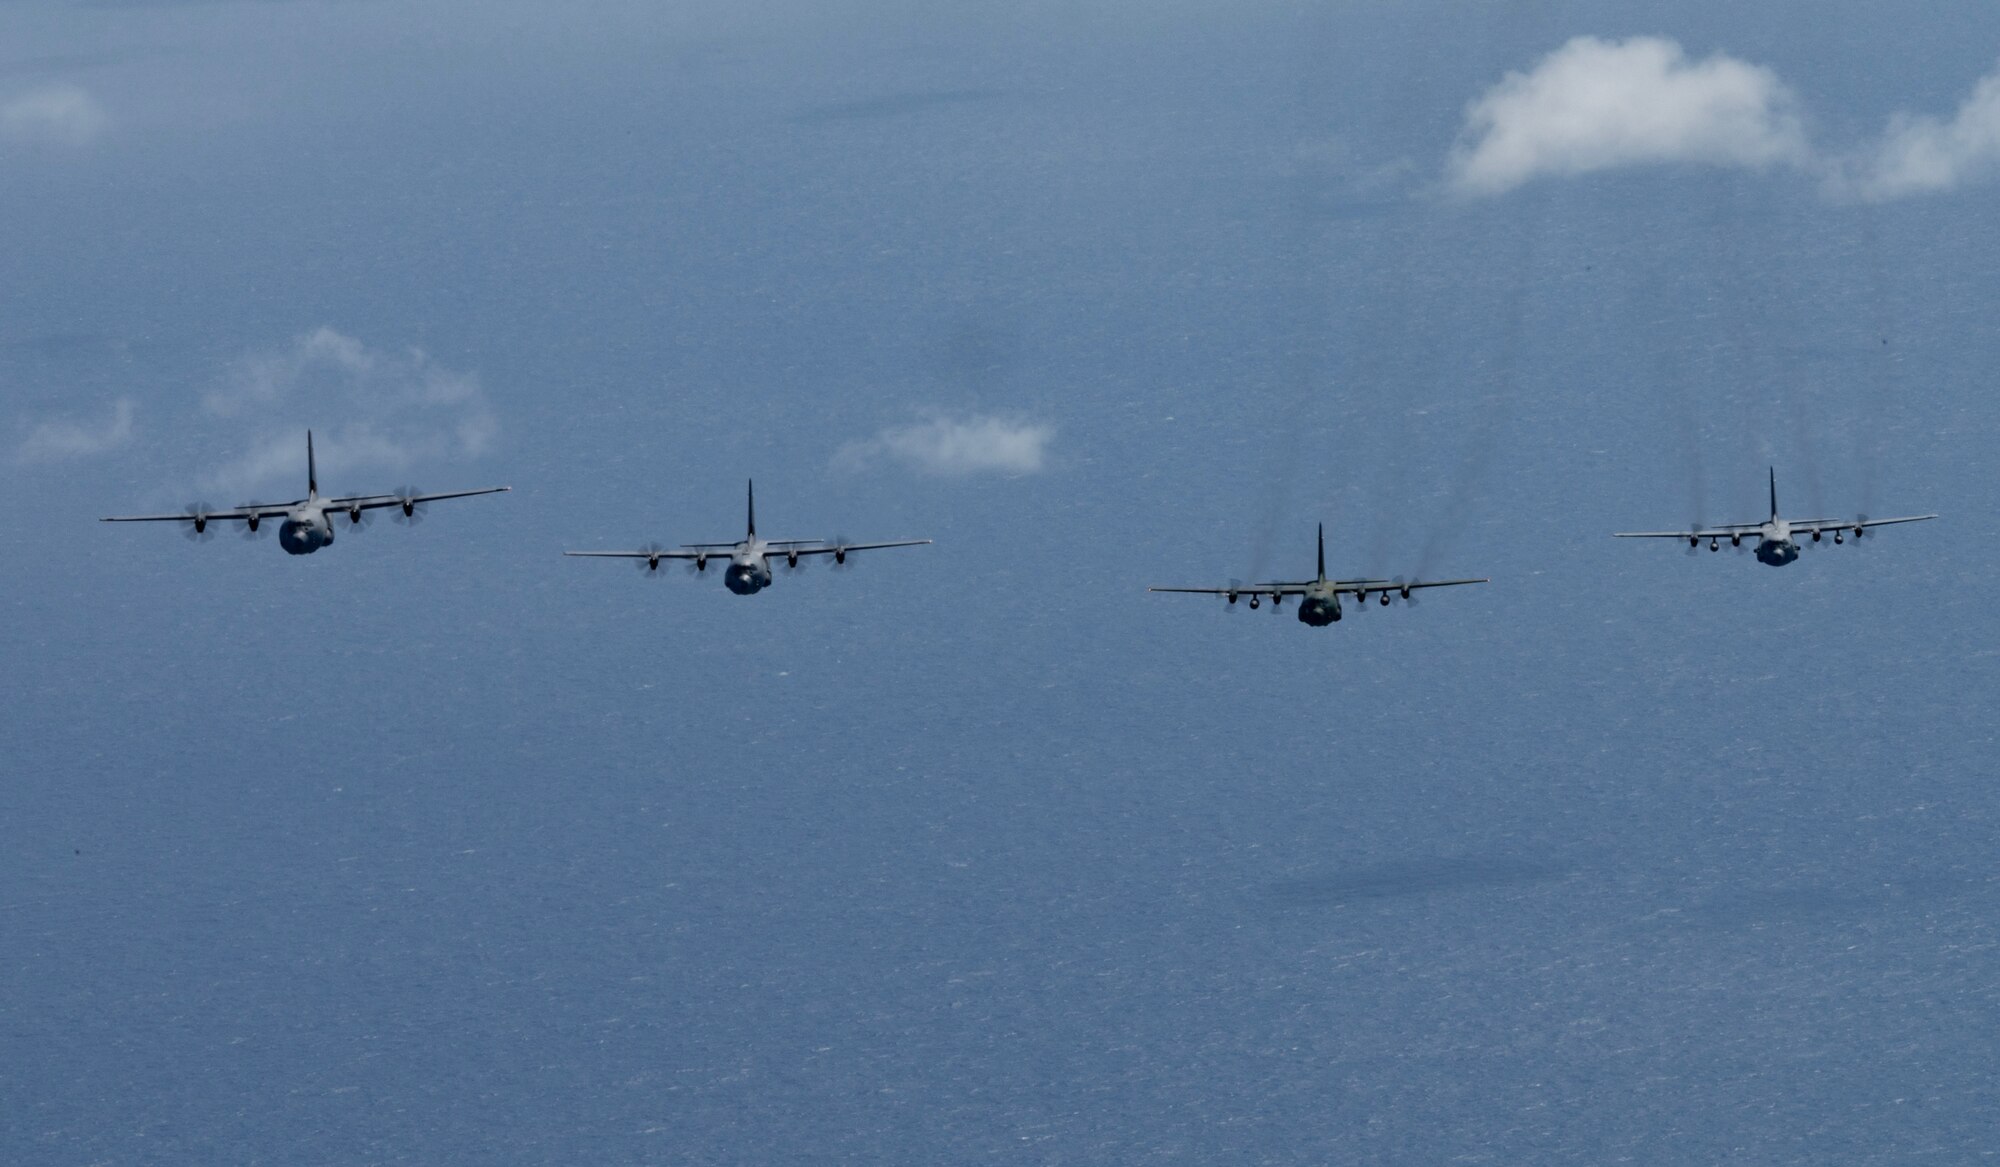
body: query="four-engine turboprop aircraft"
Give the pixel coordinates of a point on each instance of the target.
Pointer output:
(1320, 599)
(1777, 544)
(307, 523)
(750, 558)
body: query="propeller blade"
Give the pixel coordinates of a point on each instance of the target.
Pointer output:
(263, 527)
(409, 512)
(198, 529)
(355, 520)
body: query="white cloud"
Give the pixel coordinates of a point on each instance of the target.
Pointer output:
(1922, 155)
(955, 446)
(60, 114)
(1597, 104)
(62, 439)
(374, 414)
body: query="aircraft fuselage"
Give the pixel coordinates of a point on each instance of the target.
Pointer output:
(306, 530)
(1319, 607)
(749, 572)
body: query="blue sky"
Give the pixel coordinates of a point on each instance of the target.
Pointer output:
(437, 847)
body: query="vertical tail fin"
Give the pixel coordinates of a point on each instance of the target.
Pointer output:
(312, 468)
(1774, 492)
(1322, 553)
(753, 508)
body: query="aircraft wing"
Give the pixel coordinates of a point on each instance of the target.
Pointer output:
(259, 511)
(1355, 587)
(657, 554)
(805, 547)
(369, 502)
(1263, 589)
(1703, 533)
(1814, 526)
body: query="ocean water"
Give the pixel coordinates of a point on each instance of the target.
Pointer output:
(437, 847)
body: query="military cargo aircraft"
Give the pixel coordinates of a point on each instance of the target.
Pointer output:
(749, 558)
(304, 525)
(1319, 598)
(1777, 539)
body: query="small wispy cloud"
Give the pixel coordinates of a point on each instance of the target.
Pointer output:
(1923, 155)
(373, 411)
(62, 115)
(954, 446)
(1598, 104)
(66, 439)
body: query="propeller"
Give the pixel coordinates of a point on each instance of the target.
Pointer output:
(196, 529)
(650, 567)
(409, 512)
(355, 520)
(250, 533)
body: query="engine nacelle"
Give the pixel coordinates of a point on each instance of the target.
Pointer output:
(1815, 534)
(1405, 591)
(1232, 597)
(354, 516)
(840, 556)
(791, 559)
(1858, 531)
(409, 508)
(701, 563)
(252, 521)
(200, 524)
(1736, 540)
(652, 563)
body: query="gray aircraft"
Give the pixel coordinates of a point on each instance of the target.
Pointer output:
(1319, 603)
(749, 570)
(1777, 542)
(306, 524)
